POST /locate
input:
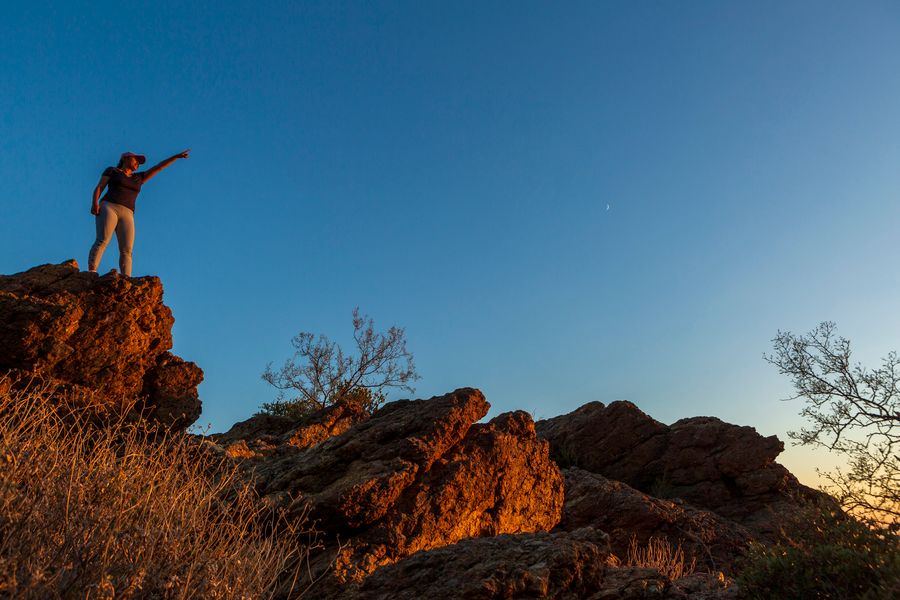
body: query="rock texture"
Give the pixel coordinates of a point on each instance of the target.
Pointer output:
(563, 566)
(417, 474)
(709, 463)
(538, 565)
(110, 335)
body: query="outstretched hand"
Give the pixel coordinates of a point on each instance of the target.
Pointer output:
(183, 154)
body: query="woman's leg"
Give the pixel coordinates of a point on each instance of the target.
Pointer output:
(106, 224)
(125, 237)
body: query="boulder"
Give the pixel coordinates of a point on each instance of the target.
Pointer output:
(260, 428)
(416, 475)
(107, 336)
(353, 479)
(499, 479)
(709, 463)
(172, 387)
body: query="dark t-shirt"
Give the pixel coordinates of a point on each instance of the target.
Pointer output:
(121, 188)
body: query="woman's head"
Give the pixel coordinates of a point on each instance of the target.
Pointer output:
(130, 160)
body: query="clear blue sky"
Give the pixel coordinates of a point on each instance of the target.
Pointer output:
(448, 168)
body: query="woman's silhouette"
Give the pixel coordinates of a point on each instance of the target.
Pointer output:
(115, 211)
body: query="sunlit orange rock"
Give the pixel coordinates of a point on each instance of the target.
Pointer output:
(417, 474)
(107, 335)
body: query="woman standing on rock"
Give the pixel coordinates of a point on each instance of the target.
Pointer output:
(115, 211)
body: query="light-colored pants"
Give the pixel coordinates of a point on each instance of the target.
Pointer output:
(118, 218)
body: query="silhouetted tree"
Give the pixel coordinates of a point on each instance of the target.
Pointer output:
(320, 374)
(853, 411)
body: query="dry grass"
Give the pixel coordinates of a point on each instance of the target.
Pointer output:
(658, 554)
(113, 512)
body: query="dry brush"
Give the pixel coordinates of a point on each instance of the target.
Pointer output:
(123, 511)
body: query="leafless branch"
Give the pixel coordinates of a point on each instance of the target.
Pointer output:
(853, 411)
(319, 374)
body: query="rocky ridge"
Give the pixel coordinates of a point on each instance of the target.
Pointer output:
(422, 499)
(710, 464)
(91, 335)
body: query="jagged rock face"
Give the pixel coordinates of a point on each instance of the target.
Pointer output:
(171, 386)
(417, 474)
(498, 479)
(107, 334)
(716, 543)
(562, 565)
(353, 479)
(705, 461)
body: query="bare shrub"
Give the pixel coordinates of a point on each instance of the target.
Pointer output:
(121, 511)
(658, 554)
(320, 374)
(853, 411)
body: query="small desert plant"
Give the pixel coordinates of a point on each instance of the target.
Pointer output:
(299, 409)
(660, 555)
(823, 553)
(320, 374)
(661, 486)
(122, 511)
(566, 455)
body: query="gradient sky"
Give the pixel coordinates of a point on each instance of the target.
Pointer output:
(560, 202)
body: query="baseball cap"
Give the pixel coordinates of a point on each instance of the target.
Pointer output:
(140, 157)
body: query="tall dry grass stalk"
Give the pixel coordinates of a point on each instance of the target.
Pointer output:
(119, 511)
(658, 554)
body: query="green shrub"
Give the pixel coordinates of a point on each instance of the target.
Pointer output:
(825, 555)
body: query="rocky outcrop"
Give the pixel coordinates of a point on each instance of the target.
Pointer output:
(107, 336)
(498, 479)
(421, 499)
(170, 390)
(416, 475)
(563, 566)
(538, 565)
(353, 479)
(422, 482)
(709, 463)
(626, 514)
